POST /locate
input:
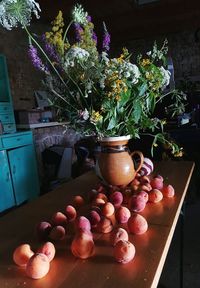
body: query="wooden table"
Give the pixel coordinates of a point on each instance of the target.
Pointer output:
(101, 270)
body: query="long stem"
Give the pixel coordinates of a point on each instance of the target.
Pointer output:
(65, 34)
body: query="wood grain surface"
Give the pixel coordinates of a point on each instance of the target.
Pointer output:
(100, 271)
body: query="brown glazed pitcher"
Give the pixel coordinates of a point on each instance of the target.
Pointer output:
(115, 163)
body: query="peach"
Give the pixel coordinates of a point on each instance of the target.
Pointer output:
(124, 251)
(116, 198)
(136, 203)
(127, 193)
(157, 183)
(70, 212)
(135, 182)
(105, 225)
(102, 196)
(144, 179)
(144, 195)
(168, 191)
(100, 188)
(78, 201)
(155, 196)
(82, 245)
(48, 249)
(94, 217)
(43, 229)
(137, 224)
(22, 254)
(57, 233)
(108, 209)
(83, 224)
(37, 266)
(117, 235)
(159, 176)
(99, 202)
(122, 214)
(58, 218)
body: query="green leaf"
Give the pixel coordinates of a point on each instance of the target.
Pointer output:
(142, 90)
(112, 123)
(137, 112)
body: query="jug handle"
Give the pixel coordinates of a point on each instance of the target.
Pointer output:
(141, 159)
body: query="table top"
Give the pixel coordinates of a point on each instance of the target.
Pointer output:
(101, 270)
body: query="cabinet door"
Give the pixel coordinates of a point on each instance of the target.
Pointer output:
(24, 173)
(7, 199)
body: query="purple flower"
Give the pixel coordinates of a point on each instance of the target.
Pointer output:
(37, 62)
(50, 49)
(106, 39)
(78, 31)
(89, 18)
(94, 37)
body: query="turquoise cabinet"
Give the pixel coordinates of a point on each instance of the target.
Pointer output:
(18, 169)
(7, 198)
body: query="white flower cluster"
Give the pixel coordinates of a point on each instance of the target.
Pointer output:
(130, 71)
(166, 77)
(75, 54)
(79, 15)
(14, 12)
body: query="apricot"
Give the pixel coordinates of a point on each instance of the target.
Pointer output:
(48, 249)
(155, 196)
(144, 179)
(38, 266)
(82, 245)
(117, 235)
(57, 233)
(116, 198)
(157, 183)
(127, 193)
(105, 225)
(78, 201)
(159, 176)
(136, 203)
(43, 229)
(83, 224)
(102, 196)
(108, 209)
(135, 182)
(94, 217)
(144, 195)
(58, 218)
(168, 191)
(122, 214)
(22, 254)
(99, 202)
(70, 212)
(124, 251)
(145, 187)
(137, 224)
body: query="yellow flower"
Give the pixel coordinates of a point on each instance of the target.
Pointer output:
(95, 117)
(145, 62)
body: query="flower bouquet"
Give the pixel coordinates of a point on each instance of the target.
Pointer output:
(96, 94)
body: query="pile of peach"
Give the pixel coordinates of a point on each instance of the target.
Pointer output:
(106, 208)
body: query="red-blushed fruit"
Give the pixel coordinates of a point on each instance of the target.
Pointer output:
(124, 251)
(70, 212)
(48, 249)
(108, 209)
(116, 198)
(156, 183)
(102, 196)
(127, 193)
(100, 188)
(136, 203)
(168, 191)
(144, 180)
(118, 234)
(78, 201)
(137, 224)
(22, 254)
(122, 214)
(135, 182)
(94, 217)
(99, 202)
(155, 196)
(58, 218)
(144, 187)
(82, 223)
(43, 229)
(83, 245)
(105, 225)
(144, 195)
(159, 176)
(38, 266)
(57, 233)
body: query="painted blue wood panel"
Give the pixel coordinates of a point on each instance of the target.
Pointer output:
(7, 199)
(24, 173)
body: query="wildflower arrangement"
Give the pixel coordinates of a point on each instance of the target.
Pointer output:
(96, 94)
